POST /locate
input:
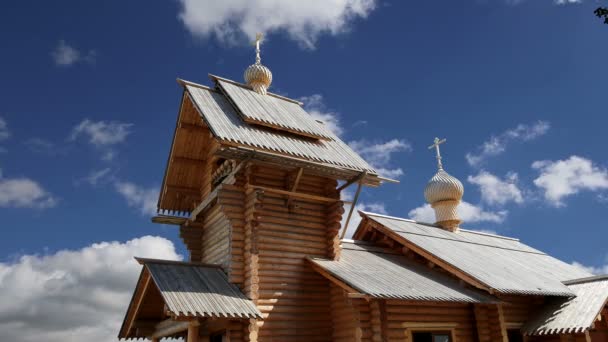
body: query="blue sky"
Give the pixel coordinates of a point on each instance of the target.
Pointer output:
(89, 102)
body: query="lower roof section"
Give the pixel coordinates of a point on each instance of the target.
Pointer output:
(183, 290)
(500, 264)
(573, 315)
(381, 273)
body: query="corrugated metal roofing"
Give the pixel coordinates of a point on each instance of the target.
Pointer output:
(226, 125)
(503, 264)
(574, 315)
(381, 273)
(191, 290)
(273, 111)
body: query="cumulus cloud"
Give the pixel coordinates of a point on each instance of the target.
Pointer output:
(24, 193)
(468, 213)
(98, 176)
(74, 295)
(4, 132)
(103, 135)
(498, 144)
(497, 191)
(375, 207)
(231, 21)
(141, 198)
(315, 106)
(65, 55)
(563, 178)
(598, 270)
(379, 154)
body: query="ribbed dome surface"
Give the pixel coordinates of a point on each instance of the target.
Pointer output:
(258, 77)
(443, 187)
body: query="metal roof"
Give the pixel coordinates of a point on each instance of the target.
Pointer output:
(503, 264)
(228, 126)
(272, 111)
(574, 315)
(192, 290)
(382, 273)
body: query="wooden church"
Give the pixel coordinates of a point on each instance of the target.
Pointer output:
(254, 184)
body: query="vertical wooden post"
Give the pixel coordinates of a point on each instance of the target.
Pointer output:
(193, 332)
(155, 339)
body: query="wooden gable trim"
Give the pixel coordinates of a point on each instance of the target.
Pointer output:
(141, 289)
(367, 224)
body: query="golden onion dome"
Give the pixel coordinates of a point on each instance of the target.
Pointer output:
(258, 77)
(443, 187)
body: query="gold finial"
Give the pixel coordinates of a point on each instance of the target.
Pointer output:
(435, 145)
(257, 76)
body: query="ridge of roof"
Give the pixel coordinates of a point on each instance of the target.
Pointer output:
(435, 226)
(143, 261)
(586, 280)
(215, 78)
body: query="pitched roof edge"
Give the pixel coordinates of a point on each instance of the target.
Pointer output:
(215, 78)
(586, 280)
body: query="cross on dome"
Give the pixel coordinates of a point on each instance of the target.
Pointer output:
(435, 145)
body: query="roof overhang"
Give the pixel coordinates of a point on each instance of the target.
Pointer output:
(182, 291)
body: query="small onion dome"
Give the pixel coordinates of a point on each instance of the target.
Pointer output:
(443, 187)
(258, 77)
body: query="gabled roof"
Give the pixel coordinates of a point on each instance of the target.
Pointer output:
(382, 273)
(187, 290)
(500, 264)
(229, 127)
(574, 315)
(272, 111)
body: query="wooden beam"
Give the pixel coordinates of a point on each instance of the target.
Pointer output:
(352, 206)
(192, 332)
(295, 185)
(140, 299)
(189, 161)
(184, 189)
(191, 127)
(295, 194)
(352, 180)
(170, 327)
(167, 219)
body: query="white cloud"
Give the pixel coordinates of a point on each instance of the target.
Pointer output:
(143, 199)
(562, 178)
(102, 133)
(496, 191)
(24, 193)
(98, 176)
(468, 213)
(74, 295)
(4, 132)
(66, 55)
(594, 270)
(498, 144)
(378, 208)
(379, 154)
(314, 105)
(303, 21)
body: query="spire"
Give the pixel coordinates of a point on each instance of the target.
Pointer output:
(257, 76)
(444, 193)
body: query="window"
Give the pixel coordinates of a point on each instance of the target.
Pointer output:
(434, 336)
(218, 337)
(514, 335)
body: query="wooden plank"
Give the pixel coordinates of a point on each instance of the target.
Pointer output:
(295, 185)
(170, 327)
(295, 194)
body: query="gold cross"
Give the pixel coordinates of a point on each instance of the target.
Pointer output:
(435, 145)
(258, 39)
